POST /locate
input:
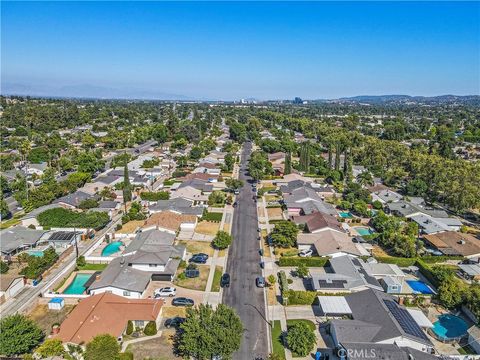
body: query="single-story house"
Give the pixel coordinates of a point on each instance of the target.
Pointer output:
(171, 221)
(454, 243)
(177, 205)
(73, 200)
(330, 243)
(18, 238)
(304, 201)
(317, 222)
(197, 196)
(63, 238)
(10, 285)
(107, 314)
(379, 319)
(386, 196)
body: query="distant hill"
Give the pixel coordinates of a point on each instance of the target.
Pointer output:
(405, 99)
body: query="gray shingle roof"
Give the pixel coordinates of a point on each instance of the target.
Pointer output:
(150, 240)
(74, 199)
(18, 237)
(180, 205)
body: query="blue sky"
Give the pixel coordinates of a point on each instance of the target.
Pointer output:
(230, 50)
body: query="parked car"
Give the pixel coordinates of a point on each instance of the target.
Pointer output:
(225, 280)
(236, 192)
(235, 204)
(200, 258)
(305, 253)
(192, 273)
(174, 322)
(260, 282)
(182, 301)
(166, 291)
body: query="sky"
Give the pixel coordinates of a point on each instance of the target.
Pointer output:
(232, 50)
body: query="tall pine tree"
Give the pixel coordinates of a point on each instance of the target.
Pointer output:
(288, 164)
(127, 188)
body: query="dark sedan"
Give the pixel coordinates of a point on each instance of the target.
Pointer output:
(225, 280)
(182, 301)
(199, 258)
(174, 322)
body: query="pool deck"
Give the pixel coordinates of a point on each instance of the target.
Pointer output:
(98, 251)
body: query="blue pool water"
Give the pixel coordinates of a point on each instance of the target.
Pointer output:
(419, 287)
(77, 286)
(112, 248)
(37, 253)
(449, 326)
(345, 214)
(363, 231)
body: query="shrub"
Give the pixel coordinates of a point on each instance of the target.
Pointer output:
(18, 335)
(300, 339)
(102, 347)
(3, 267)
(88, 204)
(283, 283)
(81, 262)
(127, 355)
(302, 270)
(129, 330)
(301, 297)
(150, 329)
(271, 279)
(309, 261)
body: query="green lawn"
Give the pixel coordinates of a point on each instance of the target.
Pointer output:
(217, 276)
(466, 350)
(93, 267)
(277, 339)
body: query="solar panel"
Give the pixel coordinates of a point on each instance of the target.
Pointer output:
(62, 236)
(405, 320)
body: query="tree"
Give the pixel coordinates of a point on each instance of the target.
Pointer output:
(365, 178)
(271, 279)
(102, 347)
(216, 198)
(207, 332)
(222, 240)
(51, 347)
(234, 183)
(302, 270)
(127, 191)
(300, 338)
(288, 164)
(129, 330)
(284, 234)
(18, 335)
(88, 204)
(3, 267)
(81, 262)
(450, 292)
(4, 210)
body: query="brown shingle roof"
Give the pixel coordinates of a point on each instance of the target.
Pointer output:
(169, 220)
(199, 176)
(318, 220)
(105, 313)
(463, 244)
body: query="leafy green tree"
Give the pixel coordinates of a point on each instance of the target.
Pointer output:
(127, 191)
(160, 133)
(81, 262)
(222, 240)
(4, 210)
(3, 267)
(18, 335)
(51, 347)
(150, 328)
(88, 204)
(234, 183)
(216, 198)
(207, 332)
(288, 164)
(300, 338)
(450, 292)
(302, 270)
(416, 187)
(284, 234)
(129, 330)
(102, 347)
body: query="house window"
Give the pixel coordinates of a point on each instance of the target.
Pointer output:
(152, 265)
(126, 293)
(138, 323)
(394, 287)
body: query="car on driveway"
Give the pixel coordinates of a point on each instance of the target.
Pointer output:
(182, 301)
(192, 273)
(260, 282)
(225, 280)
(174, 322)
(305, 253)
(166, 291)
(199, 258)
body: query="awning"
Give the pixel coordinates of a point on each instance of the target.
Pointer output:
(334, 305)
(420, 318)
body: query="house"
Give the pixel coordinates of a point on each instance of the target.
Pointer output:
(192, 194)
(362, 351)
(31, 218)
(278, 162)
(200, 176)
(171, 221)
(470, 271)
(150, 240)
(430, 225)
(386, 196)
(317, 222)
(304, 201)
(415, 206)
(37, 169)
(344, 274)
(379, 319)
(474, 338)
(10, 286)
(208, 168)
(454, 243)
(18, 238)
(177, 205)
(204, 186)
(107, 314)
(109, 204)
(63, 238)
(73, 200)
(330, 243)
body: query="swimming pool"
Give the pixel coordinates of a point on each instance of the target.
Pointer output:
(112, 248)
(363, 231)
(345, 214)
(419, 287)
(37, 253)
(77, 286)
(449, 327)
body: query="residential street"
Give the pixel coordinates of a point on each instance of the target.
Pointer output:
(244, 266)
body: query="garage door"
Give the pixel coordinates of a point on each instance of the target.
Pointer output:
(161, 277)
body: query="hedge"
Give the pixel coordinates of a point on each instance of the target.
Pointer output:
(404, 262)
(63, 218)
(301, 297)
(283, 284)
(426, 271)
(308, 261)
(154, 196)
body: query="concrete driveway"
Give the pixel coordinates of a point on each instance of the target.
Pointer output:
(195, 295)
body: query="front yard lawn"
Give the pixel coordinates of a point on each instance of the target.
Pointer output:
(207, 228)
(160, 348)
(194, 247)
(94, 267)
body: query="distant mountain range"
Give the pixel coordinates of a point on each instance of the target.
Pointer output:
(404, 99)
(88, 91)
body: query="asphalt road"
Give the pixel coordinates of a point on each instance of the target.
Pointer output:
(244, 266)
